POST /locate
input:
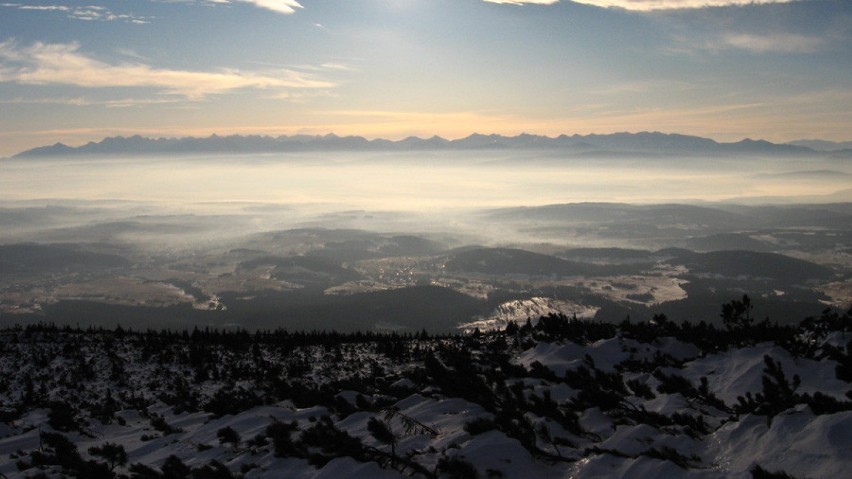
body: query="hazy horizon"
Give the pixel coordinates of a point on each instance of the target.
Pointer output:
(424, 180)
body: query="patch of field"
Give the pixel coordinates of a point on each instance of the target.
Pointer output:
(840, 293)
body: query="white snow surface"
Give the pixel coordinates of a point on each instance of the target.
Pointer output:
(520, 310)
(796, 442)
(605, 353)
(737, 372)
(612, 444)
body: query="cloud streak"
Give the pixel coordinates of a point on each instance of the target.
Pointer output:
(522, 2)
(651, 5)
(91, 13)
(773, 43)
(80, 101)
(278, 6)
(756, 43)
(64, 64)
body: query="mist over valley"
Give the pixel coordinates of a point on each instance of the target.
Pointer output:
(395, 237)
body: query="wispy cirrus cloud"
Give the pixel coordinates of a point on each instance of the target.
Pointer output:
(64, 64)
(279, 6)
(772, 43)
(522, 2)
(756, 43)
(86, 13)
(20, 6)
(82, 101)
(650, 5)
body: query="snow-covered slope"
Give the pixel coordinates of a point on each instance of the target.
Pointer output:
(594, 401)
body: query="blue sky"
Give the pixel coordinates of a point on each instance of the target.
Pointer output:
(80, 71)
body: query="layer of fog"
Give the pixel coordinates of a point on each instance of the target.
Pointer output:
(213, 197)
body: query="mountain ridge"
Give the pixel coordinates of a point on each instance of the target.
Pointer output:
(620, 142)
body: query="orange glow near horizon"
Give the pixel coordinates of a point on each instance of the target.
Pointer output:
(717, 123)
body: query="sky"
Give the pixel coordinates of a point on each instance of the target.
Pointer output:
(74, 72)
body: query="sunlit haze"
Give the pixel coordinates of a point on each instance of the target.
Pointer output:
(420, 181)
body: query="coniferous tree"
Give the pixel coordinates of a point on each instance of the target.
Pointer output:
(736, 315)
(228, 435)
(114, 454)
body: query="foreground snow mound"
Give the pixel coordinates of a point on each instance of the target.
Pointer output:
(797, 442)
(350, 468)
(615, 467)
(605, 353)
(737, 372)
(576, 401)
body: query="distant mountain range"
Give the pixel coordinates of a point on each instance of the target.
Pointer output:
(823, 145)
(615, 143)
